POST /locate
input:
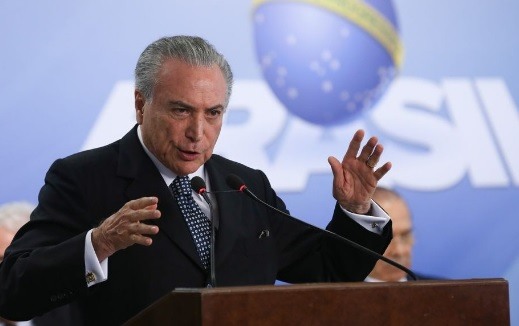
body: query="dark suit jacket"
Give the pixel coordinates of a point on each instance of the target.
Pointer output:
(44, 266)
(63, 315)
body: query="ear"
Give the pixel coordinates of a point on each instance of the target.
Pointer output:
(139, 106)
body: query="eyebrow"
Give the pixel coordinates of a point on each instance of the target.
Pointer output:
(187, 106)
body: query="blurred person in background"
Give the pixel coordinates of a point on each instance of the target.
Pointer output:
(401, 247)
(12, 217)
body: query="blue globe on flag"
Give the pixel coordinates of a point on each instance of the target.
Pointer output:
(327, 61)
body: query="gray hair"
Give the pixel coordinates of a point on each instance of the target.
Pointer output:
(14, 215)
(190, 49)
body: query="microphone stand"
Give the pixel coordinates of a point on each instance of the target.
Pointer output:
(199, 186)
(212, 282)
(235, 182)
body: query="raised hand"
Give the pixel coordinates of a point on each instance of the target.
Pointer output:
(355, 179)
(124, 228)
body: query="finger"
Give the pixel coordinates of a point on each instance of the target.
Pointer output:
(368, 149)
(143, 214)
(142, 202)
(151, 207)
(140, 239)
(353, 147)
(142, 228)
(375, 156)
(381, 171)
(336, 166)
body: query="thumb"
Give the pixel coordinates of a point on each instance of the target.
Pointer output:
(336, 166)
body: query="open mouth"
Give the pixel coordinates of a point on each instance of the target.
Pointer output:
(188, 155)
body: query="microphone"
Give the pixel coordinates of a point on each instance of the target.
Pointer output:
(237, 183)
(198, 185)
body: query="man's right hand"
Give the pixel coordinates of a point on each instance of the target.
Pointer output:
(124, 228)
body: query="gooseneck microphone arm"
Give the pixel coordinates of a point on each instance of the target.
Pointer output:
(237, 183)
(198, 185)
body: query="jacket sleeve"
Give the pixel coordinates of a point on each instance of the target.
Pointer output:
(44, 265)
(309, 254)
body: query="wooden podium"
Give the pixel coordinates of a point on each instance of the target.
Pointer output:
(461, 302)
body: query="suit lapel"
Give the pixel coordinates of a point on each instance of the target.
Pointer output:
(146, 180)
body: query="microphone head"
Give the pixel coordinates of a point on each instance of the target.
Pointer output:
(235, 182)
(198, 185)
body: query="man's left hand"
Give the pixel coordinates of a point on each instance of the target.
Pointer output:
(355, 179)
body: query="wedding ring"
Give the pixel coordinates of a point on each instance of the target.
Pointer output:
(371, 166)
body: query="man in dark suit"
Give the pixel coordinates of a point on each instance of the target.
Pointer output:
(109, 236)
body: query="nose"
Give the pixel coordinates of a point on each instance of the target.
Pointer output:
(195, 128)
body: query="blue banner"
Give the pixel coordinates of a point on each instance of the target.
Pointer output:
(434, 80)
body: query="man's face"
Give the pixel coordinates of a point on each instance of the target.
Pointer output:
(400, 248)
(6, 237)
(183, 119)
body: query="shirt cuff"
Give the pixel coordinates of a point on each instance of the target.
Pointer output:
(95, 271)
(374, 223)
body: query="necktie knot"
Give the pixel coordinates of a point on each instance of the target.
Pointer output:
(181, 186)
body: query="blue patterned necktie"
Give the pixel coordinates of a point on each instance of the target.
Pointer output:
(197, 221)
